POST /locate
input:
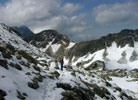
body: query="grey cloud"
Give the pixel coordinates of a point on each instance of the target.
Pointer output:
(24, 11)
(69, 25)
(43, 14)
(116, 14)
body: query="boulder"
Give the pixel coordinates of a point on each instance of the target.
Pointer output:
(2, 94)
(96, 65)
(134, 56)
(123, 59)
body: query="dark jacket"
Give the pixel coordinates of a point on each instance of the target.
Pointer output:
(61, 61)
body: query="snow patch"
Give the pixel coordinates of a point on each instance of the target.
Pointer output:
(55, 47)
(71, 44)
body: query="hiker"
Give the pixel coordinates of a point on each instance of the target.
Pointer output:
(61, 63)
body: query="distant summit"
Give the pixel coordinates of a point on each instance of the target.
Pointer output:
(24, 31)
(45, 37)
(51, 42)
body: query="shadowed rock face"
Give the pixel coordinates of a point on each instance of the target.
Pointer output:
(43, 38)
(96, 65)
(24, 31)
(122, 38)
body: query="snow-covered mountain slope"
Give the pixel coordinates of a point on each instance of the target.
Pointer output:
(116, 51)
(113, 57)
(20, 67)
(26, 73)
(122, 38)
(51, 42)
(13, 39)
(99, 84)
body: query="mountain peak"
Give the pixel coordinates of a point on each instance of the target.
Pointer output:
(24, 31)
(49, 31)
(45, 37)
(51, 42)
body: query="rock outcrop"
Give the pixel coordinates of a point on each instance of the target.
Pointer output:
(97, 65)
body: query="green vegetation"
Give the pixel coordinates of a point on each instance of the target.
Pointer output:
(69, 95)
(37, 68)
(21, 96)
(33, 85)
(17, 66)
(19, 57)
(11, 48)
(78, 93)
(73, 73)
(101, 91)
(118, 89)
(108, 84)
(4, 63)
(12, 64)
(27, 73)
(65, 86)
(28, 57)
(122, 95)
(55, 74)
(5, 53)
(39, 78)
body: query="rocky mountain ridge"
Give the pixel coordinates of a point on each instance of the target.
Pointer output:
(51, 42)
(45, 37)
(122, 38)
(27, 73)
(42, 39)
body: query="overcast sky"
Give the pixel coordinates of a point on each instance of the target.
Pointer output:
(81, 20)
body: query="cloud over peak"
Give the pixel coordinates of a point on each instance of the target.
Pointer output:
(43, 14)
